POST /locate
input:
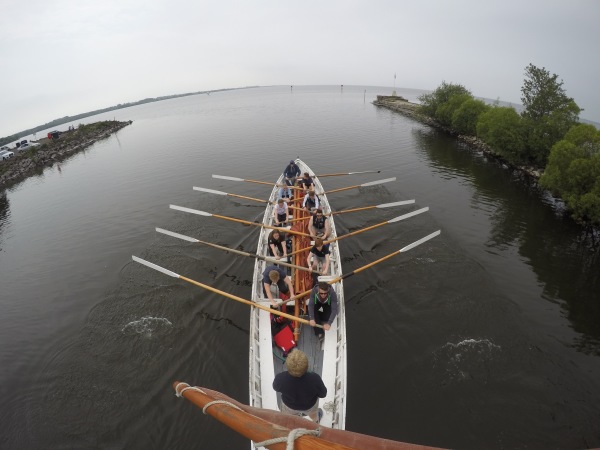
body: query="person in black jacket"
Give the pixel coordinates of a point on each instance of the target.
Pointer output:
(322, 308)
(300, 389)
(290, 174)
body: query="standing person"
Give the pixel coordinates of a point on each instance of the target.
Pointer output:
(300, 389)
(276, 275)
(307, 182)
(319, 226)
(320, 254)
(311, 202)
(277, 244)
(322, 308)
(280, 213)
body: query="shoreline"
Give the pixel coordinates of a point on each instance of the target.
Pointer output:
(530, 175)
(34, 160)
(404, 107)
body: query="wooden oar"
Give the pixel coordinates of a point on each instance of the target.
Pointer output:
(233, 219)
(362, 230)
(217, 291)
(238, 252)
(223, 177)
(371, 183)
(395, 219)
(349, 173)
(212, 191)
(371, 264)
(403, 249)
(364, 208)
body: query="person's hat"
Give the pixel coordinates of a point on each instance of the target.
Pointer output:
(292, 161)
(319, 209)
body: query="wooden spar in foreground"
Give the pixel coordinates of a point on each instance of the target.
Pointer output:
(258, 424)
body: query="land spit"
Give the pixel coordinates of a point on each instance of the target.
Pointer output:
(33, 160)
(403, 106)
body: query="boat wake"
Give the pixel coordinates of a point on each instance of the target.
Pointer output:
(148, 327)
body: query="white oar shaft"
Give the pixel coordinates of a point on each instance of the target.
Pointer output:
(223, 177)
(410, 214)
(190, 210)
(210, 191)
(155, 267)
(420, 241)
(373, 183)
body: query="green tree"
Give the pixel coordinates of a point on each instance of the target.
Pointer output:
(431, 102)
(465, 118)
(573, 172)
(548, 112)
(446, 110)
(502, 129)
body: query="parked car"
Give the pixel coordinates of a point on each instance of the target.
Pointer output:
(27, 146)
(4, 148)
(24, 141)
(6, 154)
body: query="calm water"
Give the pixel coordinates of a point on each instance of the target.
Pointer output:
(486, 337)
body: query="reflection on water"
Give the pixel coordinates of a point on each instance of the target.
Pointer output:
(521, 218)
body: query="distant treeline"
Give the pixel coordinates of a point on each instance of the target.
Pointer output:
(546, 134)
(67, 119)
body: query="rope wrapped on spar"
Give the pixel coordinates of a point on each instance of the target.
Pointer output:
(289, 439)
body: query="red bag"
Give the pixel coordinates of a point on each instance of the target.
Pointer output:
(284, 339)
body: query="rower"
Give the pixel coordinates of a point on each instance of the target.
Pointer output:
(322, 308)
(307, 182)
(311, 202)
(319, 226)
(320, 255)
(280, 213)
(276, 276)
(277, 244)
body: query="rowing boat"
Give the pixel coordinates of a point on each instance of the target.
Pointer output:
(327, 358)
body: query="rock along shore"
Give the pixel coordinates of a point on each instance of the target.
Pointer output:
(403, 106)
(33, 160)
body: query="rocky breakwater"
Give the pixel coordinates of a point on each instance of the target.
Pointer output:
(403, 106)
(33, 160)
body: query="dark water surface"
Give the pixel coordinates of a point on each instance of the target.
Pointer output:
(486, 337)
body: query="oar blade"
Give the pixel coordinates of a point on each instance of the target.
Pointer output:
(210, 191)
(374, 183)
(223, 177)
(190, 210)
(177, 235)
(155, 267)
(390, 205)
(364, 171)
(410, 214)
(420, 241)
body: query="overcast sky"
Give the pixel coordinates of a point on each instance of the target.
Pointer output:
(65, 57)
